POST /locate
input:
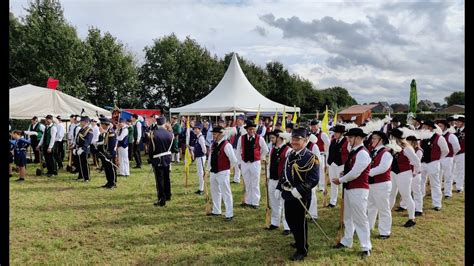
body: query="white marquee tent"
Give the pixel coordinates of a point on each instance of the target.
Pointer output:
(28, 100)
(234, 93)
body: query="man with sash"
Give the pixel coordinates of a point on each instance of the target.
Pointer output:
(46, 145)
(83, 141)
(106, 152)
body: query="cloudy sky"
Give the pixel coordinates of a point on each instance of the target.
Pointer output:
(372, 48)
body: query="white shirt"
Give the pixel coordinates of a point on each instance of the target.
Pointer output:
(443, 146)
(454, 142)
(264, 130)
(325, 139)
(315, 150)
(409, 152)
(123, 134)
(139, 131)
(385, 163)
(60, 132)
(261, 142)
(95, 134)
(70, 134)
(53, 137)
(229, 152)
(361, 162)
(286, 156)
(202, 142)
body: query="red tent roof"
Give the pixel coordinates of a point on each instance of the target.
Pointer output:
(144, 112)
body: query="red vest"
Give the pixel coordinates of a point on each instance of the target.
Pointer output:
(461, 137)
(223, 162)
(281, 163)
(361, 181)
(450, 146)
(344, 152)
(435, 150)
(403, 162)
(256, 149)
(383, 177)
(320, 142)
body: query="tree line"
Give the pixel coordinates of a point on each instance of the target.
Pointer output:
(100, 69)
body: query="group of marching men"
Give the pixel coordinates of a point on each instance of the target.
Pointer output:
(373, 162)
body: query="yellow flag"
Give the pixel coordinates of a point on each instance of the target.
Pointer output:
(187, 159)
(325, 121)
(275, 118)
(258, 115)
(294, 117)
(283, 119)
(335, 119)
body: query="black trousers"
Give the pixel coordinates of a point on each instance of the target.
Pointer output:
(163, 184)
(34, 144)
(110, 173)
(295, 216)
(83, 166)
(130, 151)
(49, 160)
(58, 151)
(136, 154)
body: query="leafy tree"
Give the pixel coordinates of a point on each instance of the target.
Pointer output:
(47, 46)
(455, 98)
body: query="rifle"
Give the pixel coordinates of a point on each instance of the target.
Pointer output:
(243, 190)
(326, 180)
(268, 213)
(206, 191)
(39, 171)
(340, 231)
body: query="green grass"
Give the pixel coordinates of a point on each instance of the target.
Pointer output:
(58, 220)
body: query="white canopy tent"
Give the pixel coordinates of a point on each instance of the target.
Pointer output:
(28, 100)
(234, 93)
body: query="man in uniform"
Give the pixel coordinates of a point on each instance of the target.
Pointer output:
(71, 139)
(83, 141)
(46, 145)
(36, 130)
(137, 131)
(446, 164)
(459, 157)
(95, 138)
(434, 148)
(251, 148)
(122, 148)
(106, 152)
(131, 140)
(337, 157)
(58, 145)
(160, 159)
(300, 175)
(261, 129)
(199, 152)
(323, 145)
(234, 140)
(176, 131)
(356, 193)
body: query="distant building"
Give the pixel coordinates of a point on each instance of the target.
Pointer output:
(357, 113)
(426, 104)
(382, 107)
(457, 108)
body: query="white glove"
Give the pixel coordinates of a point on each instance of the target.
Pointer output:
(80, 151)
(277, 194)
(74, 151)
(295, 193)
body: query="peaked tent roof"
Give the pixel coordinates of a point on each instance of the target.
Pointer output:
(28, 100)
(233, 93)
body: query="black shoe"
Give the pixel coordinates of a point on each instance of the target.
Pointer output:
(137, 167)
(437, 209)
(271, 227)
(400, 209)
(458, 191)
(110, 187)
(409, 223)
(254, 206)
(364, 254)
(160, 203)
(297, 257)
(243, 205)
(418, 213)
(199, 192)
(106, 185)
(331, 206)
(49, 175)
(55, 173)
(383, 237)
(228, 219)
(338, 246)
(235, 182)
(21, 179)
(213, 214)
(447, 197)
(286, 232)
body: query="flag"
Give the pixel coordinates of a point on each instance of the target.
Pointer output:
(335, 119)
(258, 115)
(187, 154)
(324, 123)
(52, 83)
(413, 98)
(294, 117)
(283, 119)
(275, 118)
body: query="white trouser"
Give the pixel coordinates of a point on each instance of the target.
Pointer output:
(402, 183)
(124, 164)
(322, 169)
(431, 170)
(277, 205)
(379, 203)
(459, 171)
(446, 172)
(355, 218)
(200, 163)
(417, 194)
(237, 167)
(220, 189)
(334, 172)
(251, 175)
(175, 157)
(313, 206)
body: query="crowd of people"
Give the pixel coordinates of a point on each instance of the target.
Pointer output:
(372, 162)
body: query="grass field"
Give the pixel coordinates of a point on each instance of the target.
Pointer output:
(58, 220)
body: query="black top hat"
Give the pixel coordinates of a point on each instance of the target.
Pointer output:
(356, 132)
(275, 132)
(249, 123)
(382, 135)
(412, 138)
(460, 118)
(34, 118)
(450, 119)
(85, 119)
(397, 133)
(217, 129)
(299, 132)
(339, 129)
(314, 122)
(105, 120)
(429, 123)
(444, 122)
